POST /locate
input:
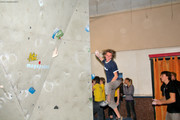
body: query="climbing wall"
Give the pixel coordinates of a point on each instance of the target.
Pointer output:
(45, 60)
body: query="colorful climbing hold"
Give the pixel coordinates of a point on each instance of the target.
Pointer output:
(92, 76)
(87, 28)
(32, 90)
(32, 57)
(58, 33)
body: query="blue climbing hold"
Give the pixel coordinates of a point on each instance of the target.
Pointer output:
(32, 90)
(87, 28)
(92, 76)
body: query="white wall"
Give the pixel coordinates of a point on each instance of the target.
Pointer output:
(134, 64)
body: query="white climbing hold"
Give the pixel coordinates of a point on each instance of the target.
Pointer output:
(1, 86)
(55, 52)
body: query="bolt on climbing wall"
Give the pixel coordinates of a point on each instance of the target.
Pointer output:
(45, 60)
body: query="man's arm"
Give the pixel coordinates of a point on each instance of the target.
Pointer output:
(162, 101)
(163, 98)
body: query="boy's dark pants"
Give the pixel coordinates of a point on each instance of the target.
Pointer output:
(99, 110)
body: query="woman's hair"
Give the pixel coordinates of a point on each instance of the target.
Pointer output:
(129, 80)
(110, 51)
(101, 78)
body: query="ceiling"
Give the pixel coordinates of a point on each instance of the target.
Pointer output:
(104, 7)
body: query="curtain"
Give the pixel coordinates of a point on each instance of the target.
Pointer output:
(172, 65)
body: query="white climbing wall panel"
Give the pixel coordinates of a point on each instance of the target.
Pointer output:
(61, 84)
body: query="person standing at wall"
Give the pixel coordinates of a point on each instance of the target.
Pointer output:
(120, 94)
(97, 89)
(102, 83)
(93, 83)
(112, 72)
(173, 111)
(128, 90)
(177, 87)
(174, 79)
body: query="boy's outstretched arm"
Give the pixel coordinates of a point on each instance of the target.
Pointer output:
(98, 56)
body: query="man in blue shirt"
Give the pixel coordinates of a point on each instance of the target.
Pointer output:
(112, 72)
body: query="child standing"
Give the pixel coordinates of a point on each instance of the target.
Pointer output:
(97, 89)
(102, 83)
